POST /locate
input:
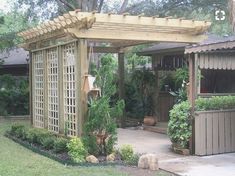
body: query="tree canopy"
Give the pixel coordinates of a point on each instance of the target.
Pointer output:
(25, 13)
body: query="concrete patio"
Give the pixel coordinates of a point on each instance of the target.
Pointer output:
(149, 142)
(216, 165)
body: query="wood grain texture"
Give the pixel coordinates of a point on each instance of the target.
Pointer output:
(214, 132)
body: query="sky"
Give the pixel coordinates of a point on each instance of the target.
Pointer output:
(4, 6)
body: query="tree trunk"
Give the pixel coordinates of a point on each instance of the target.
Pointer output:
(231, 5)
(87, 5)
(123, 7)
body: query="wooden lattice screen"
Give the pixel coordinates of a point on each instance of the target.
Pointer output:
(69, 89)
(53, 89)
(38, 89)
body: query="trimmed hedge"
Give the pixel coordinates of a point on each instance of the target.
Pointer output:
(215, 103)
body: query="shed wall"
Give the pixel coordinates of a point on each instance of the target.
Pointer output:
(225, 61)
(214, 132)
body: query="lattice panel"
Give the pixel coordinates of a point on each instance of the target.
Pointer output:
(38, 89)
(69, 82)
(53, 91)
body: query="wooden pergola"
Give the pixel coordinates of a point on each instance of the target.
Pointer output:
(59, 61)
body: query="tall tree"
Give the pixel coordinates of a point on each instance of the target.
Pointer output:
(10, 24)
(231, 5)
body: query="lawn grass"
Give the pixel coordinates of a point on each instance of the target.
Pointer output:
(15, 160)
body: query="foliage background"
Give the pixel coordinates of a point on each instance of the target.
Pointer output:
(14, 96)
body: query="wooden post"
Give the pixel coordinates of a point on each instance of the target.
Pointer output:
(45, 84)
(81, 71)
(155, 59)
(193, 67)
(30, 88)
(61, 93)
(198, 72)
(121, 82)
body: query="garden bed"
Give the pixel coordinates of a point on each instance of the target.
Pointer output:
(62, 158)
(68, 151)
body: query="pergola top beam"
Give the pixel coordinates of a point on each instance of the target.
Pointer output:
(146, 21)
(118, 27)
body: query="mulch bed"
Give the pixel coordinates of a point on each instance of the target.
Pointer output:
(62, 158)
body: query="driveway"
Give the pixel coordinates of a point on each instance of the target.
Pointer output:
(149, 142)
(216, 165)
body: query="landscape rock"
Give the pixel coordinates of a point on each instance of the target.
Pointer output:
(92, 159)
(111, 157)
(148, 161)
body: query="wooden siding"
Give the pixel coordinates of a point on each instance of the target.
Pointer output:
(225, 61)
(214, 132)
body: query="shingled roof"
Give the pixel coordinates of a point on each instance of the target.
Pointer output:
(16, 56)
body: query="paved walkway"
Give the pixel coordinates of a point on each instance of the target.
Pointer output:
(216, 165)
(149, 142)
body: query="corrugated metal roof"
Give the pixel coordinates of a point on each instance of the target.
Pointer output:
(16, 56)
(224, 43)
(167, 47)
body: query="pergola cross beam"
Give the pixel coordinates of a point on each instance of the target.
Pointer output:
(135, 36)
(112, 27)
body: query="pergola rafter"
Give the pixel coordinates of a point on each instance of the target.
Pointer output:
(112, 27)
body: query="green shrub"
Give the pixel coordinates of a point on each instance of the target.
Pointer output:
(90, 144)
(48, 142)
(76, 150)
(133, 161)
(102, 112)
(21, 133)
(18, 130)
(215, 103)
(126, 152)
(35, 135)
(15, 127)
(60, 145)
(14, 96)
(179, 126)
(32, 135)
(43, 134)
